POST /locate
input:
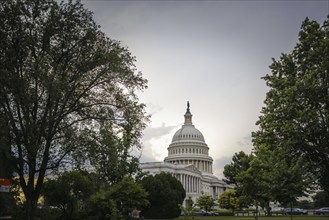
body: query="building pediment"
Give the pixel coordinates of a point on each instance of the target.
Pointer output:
(192, 168)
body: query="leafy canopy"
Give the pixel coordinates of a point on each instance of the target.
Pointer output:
(205, 202)
(61, 78)
(165, 193)
(296, 112)
(229, 200)
(240, 162)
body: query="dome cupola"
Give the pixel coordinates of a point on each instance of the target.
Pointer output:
(188, 131)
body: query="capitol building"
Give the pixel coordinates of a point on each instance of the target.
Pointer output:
(188, 160)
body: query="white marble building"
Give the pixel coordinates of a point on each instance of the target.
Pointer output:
(189, 161)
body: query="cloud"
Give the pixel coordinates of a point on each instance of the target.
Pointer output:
(153, 136)
(244, 144)
(218, 165)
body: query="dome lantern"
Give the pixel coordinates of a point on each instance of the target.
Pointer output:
(188, 115)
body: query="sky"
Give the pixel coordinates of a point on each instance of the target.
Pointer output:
(210, 53)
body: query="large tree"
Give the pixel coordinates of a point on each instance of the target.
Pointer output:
(240, 162)
(295, 117)
(110, 153)
(117, 201)
(60, 78)
(69, 192)
(253, 185)
(165, 194)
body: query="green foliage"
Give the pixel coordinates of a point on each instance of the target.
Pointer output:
(129, 195)
(304, 204)
(254, 185)
(102, 206)
(240, 162)
(229, 200)
(118, 201)
(69, 192)
(205, 202)
(188, 211)
(289, 179)
(61, 78)
(224, 212)
(321, 199)
(109, 153)
(165, 193)
(295, 116)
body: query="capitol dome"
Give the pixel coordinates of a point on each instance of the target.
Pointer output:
(188, 146)
(188, 131)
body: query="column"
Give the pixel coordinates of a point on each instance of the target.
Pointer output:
(186, 186)
(198, 185)
(194, 184)
(188, 183)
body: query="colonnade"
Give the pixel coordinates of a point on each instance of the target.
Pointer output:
(193, 150)
(191, 184)
(204, 166)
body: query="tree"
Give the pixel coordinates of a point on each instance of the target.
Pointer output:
(229, 200)
(188, 211)
(240, 162)
(69, 192)
(321, 199)
(253, 185)
(289, 180)
(110, 154)
(280, 178)
(128, 195)
(60, 79)
(101, 206)
(205, 202)
(296, 112)
(165, 193)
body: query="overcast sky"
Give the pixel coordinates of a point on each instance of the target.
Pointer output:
(210, 53)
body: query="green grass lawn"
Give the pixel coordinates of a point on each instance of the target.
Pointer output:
(295, 217)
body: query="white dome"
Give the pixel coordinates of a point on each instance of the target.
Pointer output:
(188, 132)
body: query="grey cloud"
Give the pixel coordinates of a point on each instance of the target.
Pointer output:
(157, 132)
(218, 165)
(150, 133)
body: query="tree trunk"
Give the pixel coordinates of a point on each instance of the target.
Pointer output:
(30, 207)
(256, 217)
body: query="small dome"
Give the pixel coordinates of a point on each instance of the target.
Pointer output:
(188, 132)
